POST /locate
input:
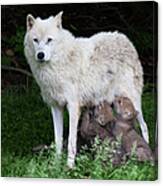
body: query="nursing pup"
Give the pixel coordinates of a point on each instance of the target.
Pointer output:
(97, 121)
(124, 126)
(94, 120)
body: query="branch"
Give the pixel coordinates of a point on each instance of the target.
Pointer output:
(8, 68)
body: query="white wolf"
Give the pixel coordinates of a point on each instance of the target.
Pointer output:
(75, 72)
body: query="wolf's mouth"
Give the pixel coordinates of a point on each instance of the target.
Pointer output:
(41, 61)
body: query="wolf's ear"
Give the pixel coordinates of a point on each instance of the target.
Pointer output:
(58, 19)
(30, 21)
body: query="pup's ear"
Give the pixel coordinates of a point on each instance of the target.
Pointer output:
(58, 19)
(30, 21)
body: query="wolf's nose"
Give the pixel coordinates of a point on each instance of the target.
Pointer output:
(40, 55)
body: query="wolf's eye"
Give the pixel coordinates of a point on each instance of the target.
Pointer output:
(35, 40)
(49, 40)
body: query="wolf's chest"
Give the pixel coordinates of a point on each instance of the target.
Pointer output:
(52, 88)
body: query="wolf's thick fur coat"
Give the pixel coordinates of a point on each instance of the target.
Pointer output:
(83, 71)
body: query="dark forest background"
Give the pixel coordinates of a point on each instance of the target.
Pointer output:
(138, 20)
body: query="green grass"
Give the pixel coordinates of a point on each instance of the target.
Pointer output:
(26, 123)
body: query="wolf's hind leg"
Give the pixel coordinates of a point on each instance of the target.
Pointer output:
(140, 118)
(143, 126)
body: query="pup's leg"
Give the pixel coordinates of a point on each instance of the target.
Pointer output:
(57, 113)
(74, 113)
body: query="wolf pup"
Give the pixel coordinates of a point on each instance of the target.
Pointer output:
(124, 126)
(74, 72)
(103, 113)
(94, 120)
(97, 121)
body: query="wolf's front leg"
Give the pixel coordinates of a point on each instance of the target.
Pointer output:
(74, 113)
(57, 113)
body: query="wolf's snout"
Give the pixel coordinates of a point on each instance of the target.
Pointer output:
(40, 56)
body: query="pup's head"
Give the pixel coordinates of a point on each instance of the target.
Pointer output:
(124, 108)
(41, 36)
(103, 113)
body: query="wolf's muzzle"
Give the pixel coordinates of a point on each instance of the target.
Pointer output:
(40, 56)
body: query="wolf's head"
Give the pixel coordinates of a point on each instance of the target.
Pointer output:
(42, 36)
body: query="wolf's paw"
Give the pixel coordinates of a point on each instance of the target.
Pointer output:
(70, 163)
